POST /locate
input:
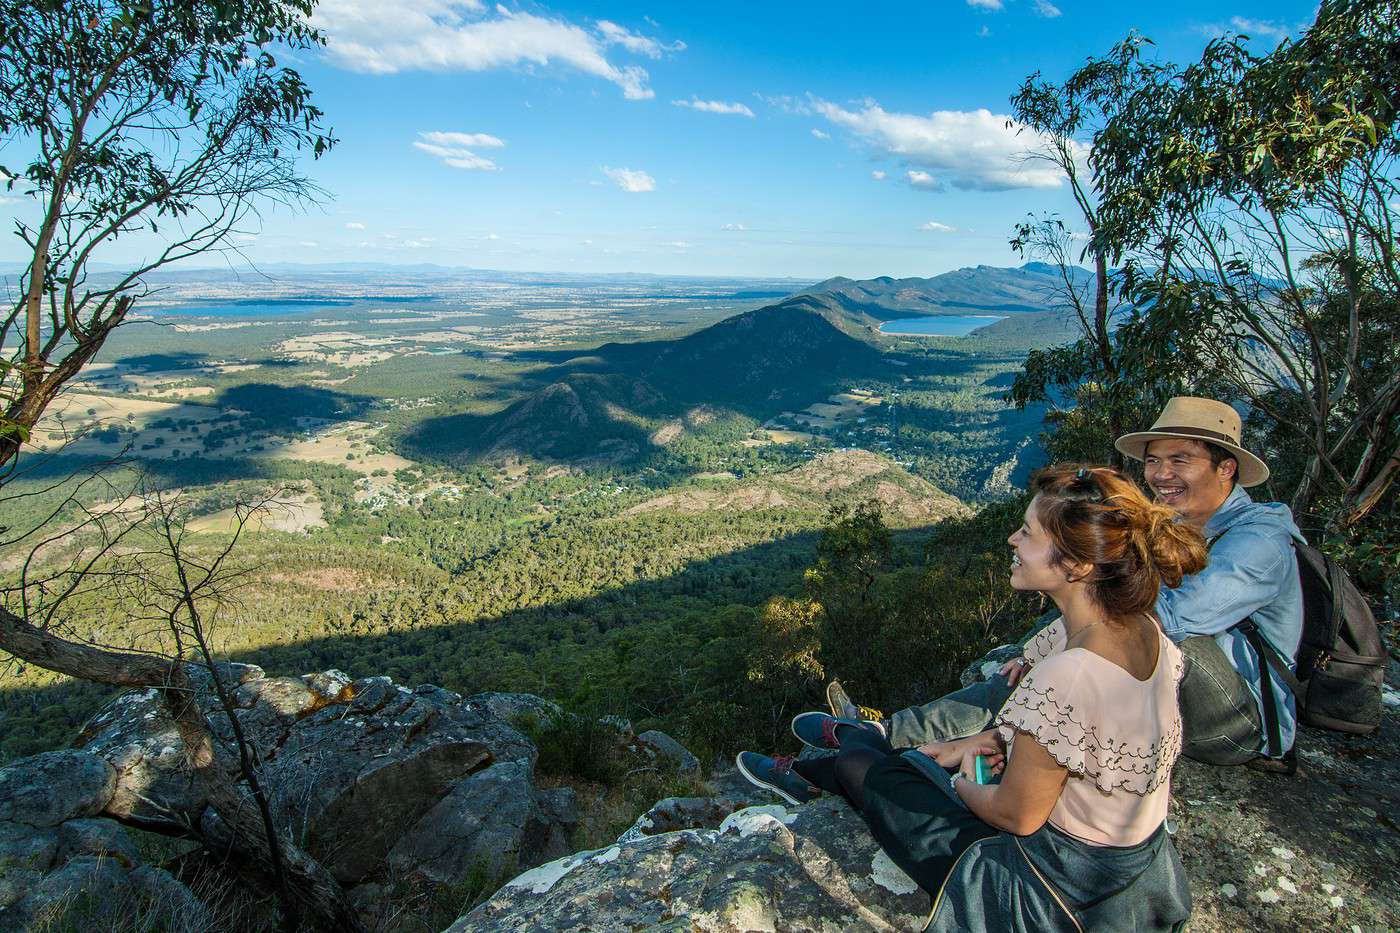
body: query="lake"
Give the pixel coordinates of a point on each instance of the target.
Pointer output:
(279, 307)
(942, 325)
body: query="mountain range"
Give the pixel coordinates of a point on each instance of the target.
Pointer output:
(1032, 288)
(610, 403)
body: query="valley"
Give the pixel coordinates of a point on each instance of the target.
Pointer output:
(517, 484)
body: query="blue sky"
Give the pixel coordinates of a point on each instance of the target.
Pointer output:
(749, 139)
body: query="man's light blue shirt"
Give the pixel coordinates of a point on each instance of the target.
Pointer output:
(1252, 572)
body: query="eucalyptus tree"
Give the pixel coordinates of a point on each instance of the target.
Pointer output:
(166, 125)
(117, 117)
(1253, 202)
(1064, 118)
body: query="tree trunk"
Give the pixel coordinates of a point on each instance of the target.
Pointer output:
(1360, 505)
(313, 888)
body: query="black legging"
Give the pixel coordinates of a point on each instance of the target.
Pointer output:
(844, 773)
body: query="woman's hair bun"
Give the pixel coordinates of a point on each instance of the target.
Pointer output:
(1098, 516)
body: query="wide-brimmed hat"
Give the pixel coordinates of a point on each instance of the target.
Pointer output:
(1198, 419)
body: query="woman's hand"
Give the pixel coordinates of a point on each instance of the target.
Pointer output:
(991, 751)
(945, 753)
(950, 754)
(1014, 670)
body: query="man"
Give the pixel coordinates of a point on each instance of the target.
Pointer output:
(1193, 461)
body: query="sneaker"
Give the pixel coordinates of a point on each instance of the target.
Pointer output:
(1287, 765)
(775, 774)
(841, 705)
(818, 730)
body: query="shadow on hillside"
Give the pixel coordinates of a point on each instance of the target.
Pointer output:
(165, 361)
(286, 403)
(566, 649)
(631, 650)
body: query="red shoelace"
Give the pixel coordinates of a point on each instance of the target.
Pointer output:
(782, 764)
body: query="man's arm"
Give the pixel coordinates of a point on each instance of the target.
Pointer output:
(1247, 568)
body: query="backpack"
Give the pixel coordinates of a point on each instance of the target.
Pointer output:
(1341, 658)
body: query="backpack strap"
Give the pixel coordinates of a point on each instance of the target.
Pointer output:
(1269, 658)
(1271, 663)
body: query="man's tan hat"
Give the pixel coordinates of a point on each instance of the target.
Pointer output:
(1198, 419)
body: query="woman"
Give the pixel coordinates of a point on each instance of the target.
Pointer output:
(1073, 835)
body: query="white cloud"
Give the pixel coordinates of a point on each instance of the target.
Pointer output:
(985, 4)
(1047, 9)
(983, 33)
(451, 149)
(1259, 28)
(472, 140)
(613, 34)
(820, 134)
(785, 102)
(631, 180)
(934, 226)
(309, 244)
(679, 244)
(921, 179)
(354, 225)
(738, 228)
(246, 238)
(878, 175)
(389, 36)
(972, 150)
(715, 106)
(492, 236)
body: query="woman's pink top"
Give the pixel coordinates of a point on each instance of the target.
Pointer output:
(1118, 736)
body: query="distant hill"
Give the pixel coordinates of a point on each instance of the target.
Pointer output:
(1031, 288)
(839, 476)
(609, 404)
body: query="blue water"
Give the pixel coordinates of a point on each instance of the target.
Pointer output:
(278, 307)
(943, 325)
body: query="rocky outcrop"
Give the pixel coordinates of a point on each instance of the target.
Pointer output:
(57, 857)
(369, 776)
(764, 868)
(385, 785)
(1319, 850)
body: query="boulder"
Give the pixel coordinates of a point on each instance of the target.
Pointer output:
(490, 820)
(676, 813)
(96, 837)
(987, 665)
(15, 885)
(351, 780)
(510, 706)
(136, 737)
(363, 773)
(765, 868)
(662, 747)
(46, 789)
(94, 892)
(25, 846)
(85, 888)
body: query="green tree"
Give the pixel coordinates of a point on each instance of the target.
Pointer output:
(1253, 202)
(119, 116)
(1106, 396)
(172, 119)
